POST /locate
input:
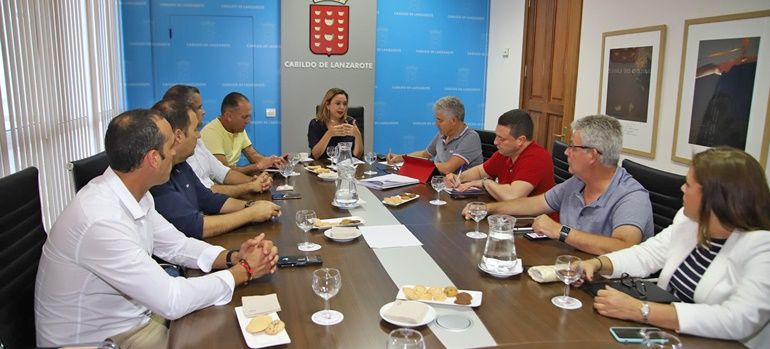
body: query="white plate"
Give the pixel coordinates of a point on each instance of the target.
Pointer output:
(329, 233)
(335, 222)
(402, 202)
(329, 176)
(516, 270)
(430, 315)
(475, 301)
(261, 340)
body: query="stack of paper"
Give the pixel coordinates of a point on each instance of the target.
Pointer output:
(385, 236)
(388, 181)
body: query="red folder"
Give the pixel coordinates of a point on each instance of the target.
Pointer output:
(418, 168)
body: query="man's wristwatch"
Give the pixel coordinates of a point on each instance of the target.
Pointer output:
(564, 232)
(229, 258)
(645, 310)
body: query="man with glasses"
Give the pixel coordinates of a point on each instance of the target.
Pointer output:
(601, 208)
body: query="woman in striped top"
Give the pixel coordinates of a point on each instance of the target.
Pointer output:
(715, 256)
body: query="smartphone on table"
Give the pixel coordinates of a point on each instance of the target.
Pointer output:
(286, 196)
(299, 261)
(630, 334)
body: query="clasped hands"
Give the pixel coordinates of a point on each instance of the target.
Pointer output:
(342, 130)
(261, 255)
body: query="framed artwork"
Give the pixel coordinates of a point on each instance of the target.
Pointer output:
(723, 86)
(629, 84)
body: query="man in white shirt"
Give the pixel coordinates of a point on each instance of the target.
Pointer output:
(97, 278)
(212, 172)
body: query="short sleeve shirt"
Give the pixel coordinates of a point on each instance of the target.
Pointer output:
(183, 200)
(206, 166)
(467, 145)
(219, 141)
(316, 131)
(534, 166)
(625, 202)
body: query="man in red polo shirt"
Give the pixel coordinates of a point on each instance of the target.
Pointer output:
(521, 167)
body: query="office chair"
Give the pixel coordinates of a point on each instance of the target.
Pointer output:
(488, 146)
(664, 188)
(84, 170)
(560, 165)
(21, 240)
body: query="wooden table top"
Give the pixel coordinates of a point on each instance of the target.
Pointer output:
(516, 311)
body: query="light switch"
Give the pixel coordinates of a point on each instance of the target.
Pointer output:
(270, 112)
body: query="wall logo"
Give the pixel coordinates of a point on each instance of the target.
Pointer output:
(329, 27)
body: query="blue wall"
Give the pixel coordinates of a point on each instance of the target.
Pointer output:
(425, 49)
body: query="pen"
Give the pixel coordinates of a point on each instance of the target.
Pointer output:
(522, 229)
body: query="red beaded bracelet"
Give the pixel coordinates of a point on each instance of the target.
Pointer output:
(246, 266)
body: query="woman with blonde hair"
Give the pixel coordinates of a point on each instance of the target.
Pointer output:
(333, 125)
(715, 256)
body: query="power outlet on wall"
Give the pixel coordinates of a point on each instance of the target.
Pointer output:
(270, 112)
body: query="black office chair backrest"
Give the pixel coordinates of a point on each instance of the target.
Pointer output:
(84, 170)
(21, 239)
(487, 143)
(560, 165)
(357, 113)
(665, 191)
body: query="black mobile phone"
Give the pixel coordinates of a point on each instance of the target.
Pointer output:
(299, 261)
(286, 196)
(533, 235)
(630, 334)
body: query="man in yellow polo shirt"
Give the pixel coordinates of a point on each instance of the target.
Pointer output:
(225, 137)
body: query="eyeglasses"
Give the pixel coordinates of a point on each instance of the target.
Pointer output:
(634, 283)
(583, 147)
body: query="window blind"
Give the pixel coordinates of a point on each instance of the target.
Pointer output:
(61, 82)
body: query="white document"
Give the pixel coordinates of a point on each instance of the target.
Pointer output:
(388, 181)
(385, 236)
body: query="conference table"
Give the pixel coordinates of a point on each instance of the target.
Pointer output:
(516, 311)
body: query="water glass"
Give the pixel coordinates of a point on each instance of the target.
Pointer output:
(437, 182)
(326, 283)
(370, 158)
(477, 210)
(658, 339)
(568, 269)
(499, 257)
(286, 169)
(331, 152)
(405, 338)
(305, 220)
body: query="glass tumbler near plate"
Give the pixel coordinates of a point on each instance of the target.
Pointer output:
(499, 257)
(437, 182)
(370, 158)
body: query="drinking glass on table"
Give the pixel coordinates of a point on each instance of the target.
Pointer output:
(285, 169)
(295, 159)
(326, 284)
(332, 152)
(370, 158)
(568, 270)
(437, 182)
(305, 220)
(477, 210)
(405, 338)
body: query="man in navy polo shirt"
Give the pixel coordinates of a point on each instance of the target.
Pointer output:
(184, 201)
